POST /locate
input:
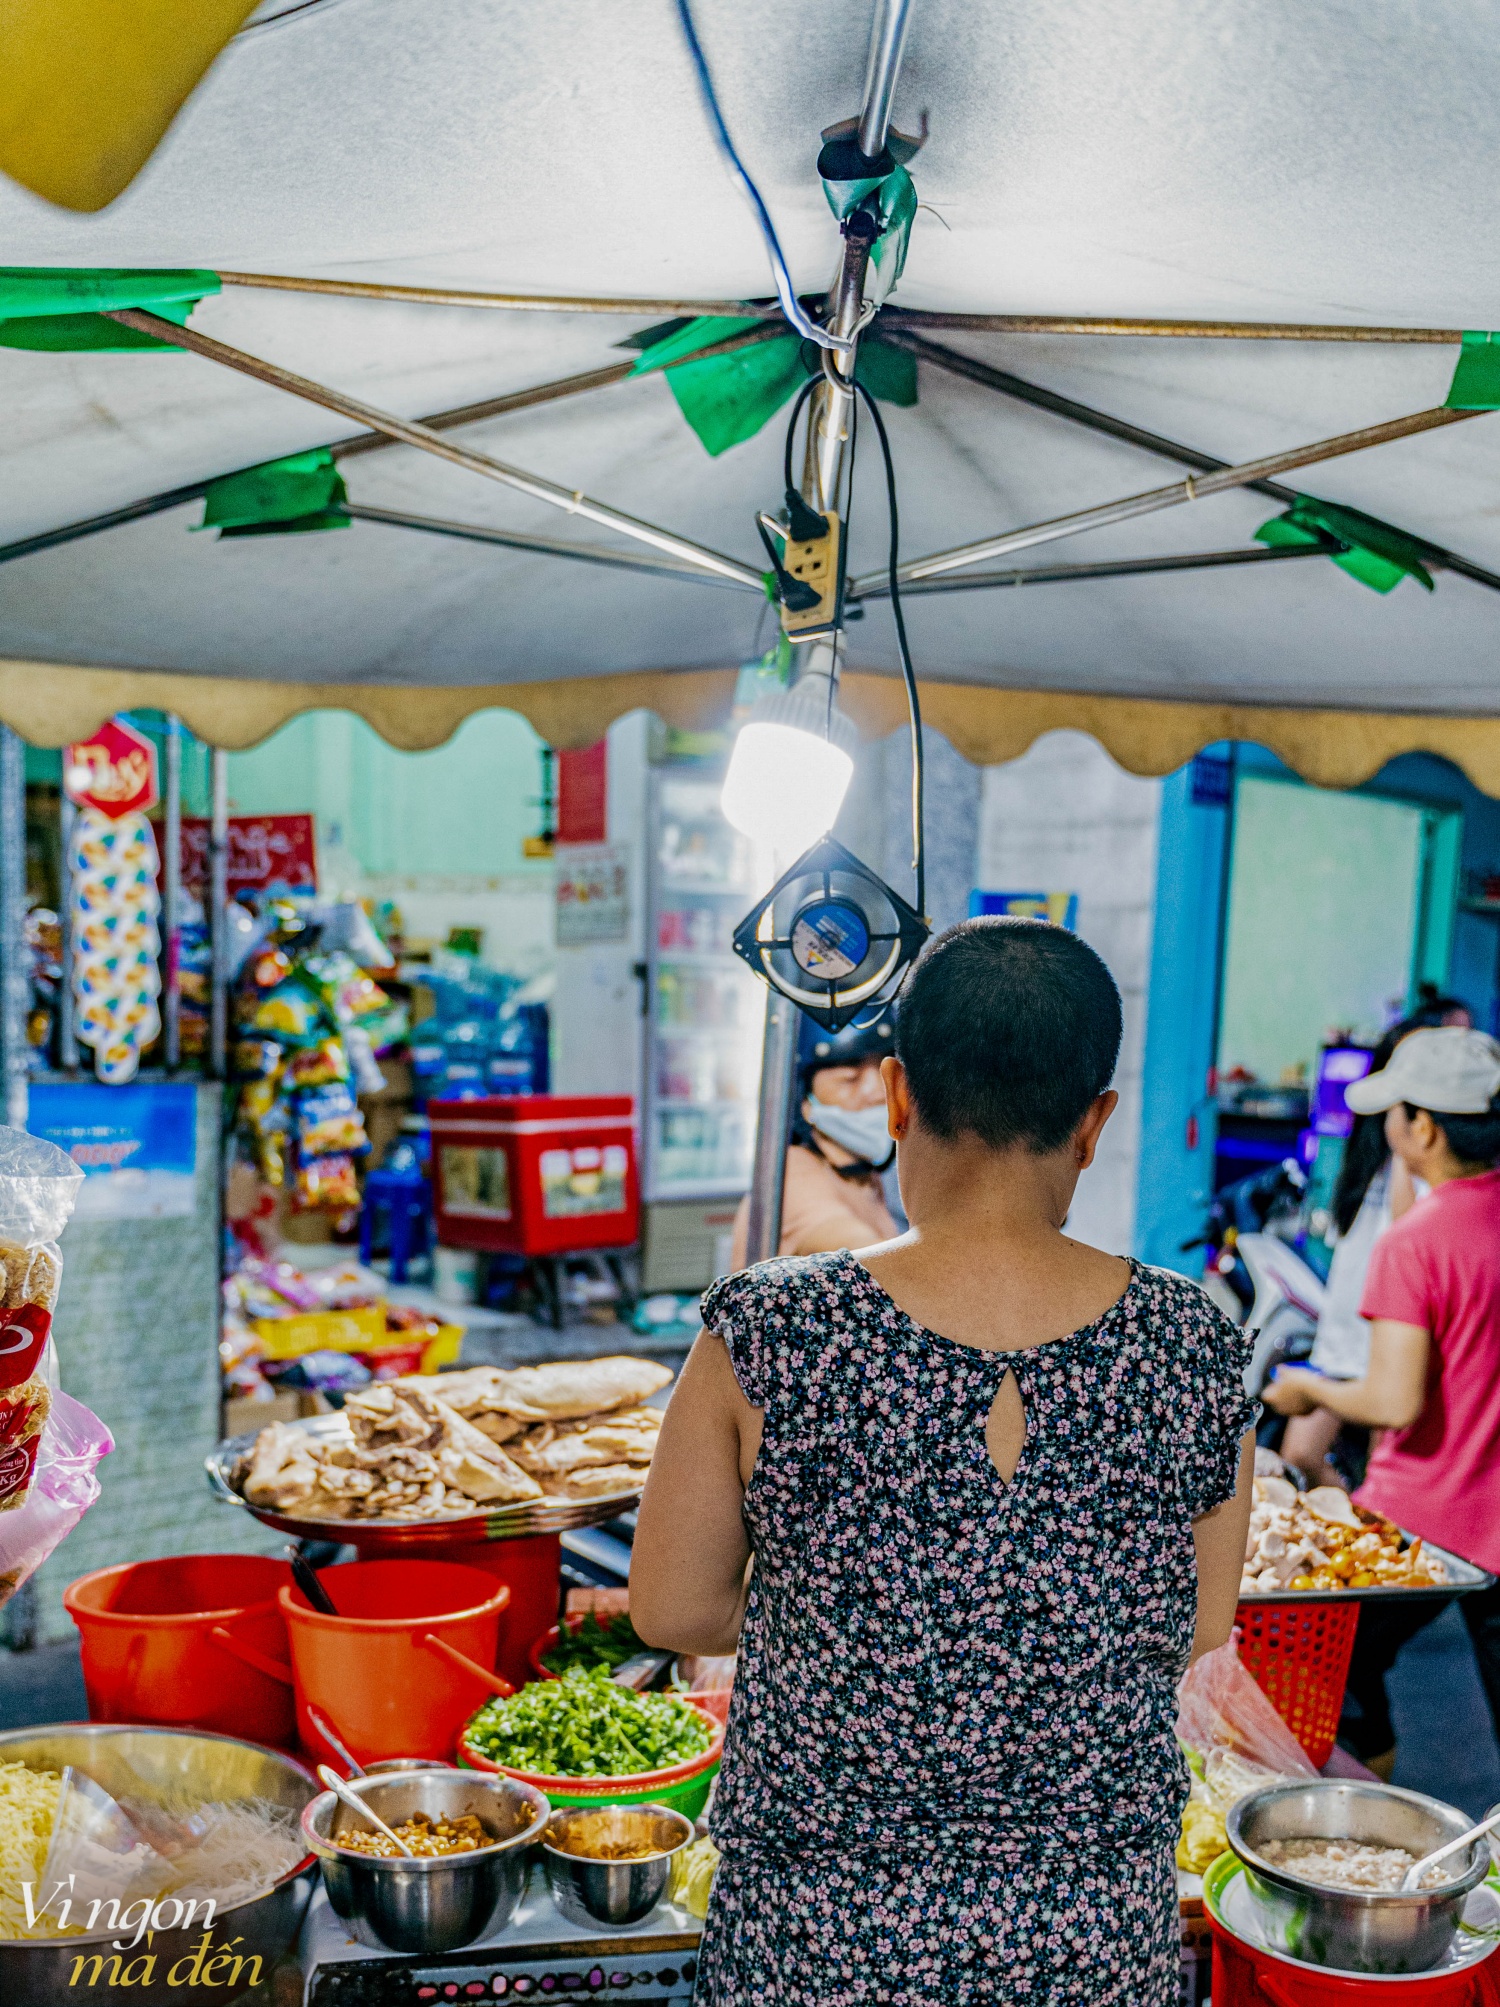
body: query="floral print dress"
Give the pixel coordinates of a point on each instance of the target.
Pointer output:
(950, 1774)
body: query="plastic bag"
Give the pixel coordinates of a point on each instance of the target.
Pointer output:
(38, 1186)
(1236, 1743)
(64, 1487)
(1220, 1708)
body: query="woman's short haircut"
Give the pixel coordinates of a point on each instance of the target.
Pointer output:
(1008, 1030)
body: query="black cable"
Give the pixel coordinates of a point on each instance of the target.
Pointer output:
(791, 431)
(913, 702)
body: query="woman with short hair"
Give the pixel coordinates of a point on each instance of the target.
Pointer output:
(995, 1486)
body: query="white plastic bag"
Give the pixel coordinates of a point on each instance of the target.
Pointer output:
(38, 1185)
(49, 1444)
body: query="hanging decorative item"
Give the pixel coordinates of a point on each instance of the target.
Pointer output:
(111, 780)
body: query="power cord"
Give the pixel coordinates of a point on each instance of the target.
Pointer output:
(913, 701)
(786, 292)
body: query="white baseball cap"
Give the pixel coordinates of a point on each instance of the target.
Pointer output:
(1445, 1069)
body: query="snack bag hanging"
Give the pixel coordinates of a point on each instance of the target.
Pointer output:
(38, 1186)
(113, 865)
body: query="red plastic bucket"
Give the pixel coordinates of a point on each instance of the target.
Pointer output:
(1246, 1977)
(187, 1642)
(383, 1671)
(531, 1568)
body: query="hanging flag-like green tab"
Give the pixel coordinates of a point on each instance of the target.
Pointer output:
(728, 398)
(50, 307)
(679, 339)
(302, 492)
(1374, 553)
(886, 372)
(1476, 381)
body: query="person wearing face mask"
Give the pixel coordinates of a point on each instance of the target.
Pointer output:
(832, 1195)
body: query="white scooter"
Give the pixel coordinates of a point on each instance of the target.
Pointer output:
(1284, 1311)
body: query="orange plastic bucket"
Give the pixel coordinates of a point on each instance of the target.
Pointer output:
(386, 1671)
(197, 1641)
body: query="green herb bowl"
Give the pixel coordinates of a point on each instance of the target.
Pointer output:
(685, 1787)
(549, 1639)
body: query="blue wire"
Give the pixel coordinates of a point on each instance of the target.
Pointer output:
(791, 306)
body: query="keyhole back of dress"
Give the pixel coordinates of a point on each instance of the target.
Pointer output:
(1005, 1428)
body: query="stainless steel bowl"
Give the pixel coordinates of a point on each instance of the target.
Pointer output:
(167, 1765)
(590, 1891)
(428, 1905)
(1355, 1930)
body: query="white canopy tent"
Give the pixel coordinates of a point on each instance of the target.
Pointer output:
(1294, 164)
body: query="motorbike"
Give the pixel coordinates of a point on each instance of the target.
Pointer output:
(1256, 1272)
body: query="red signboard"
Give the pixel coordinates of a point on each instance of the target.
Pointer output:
(114, 771)
(583, 795)
(264, 850)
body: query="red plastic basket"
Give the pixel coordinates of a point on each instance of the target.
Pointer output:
(1245, 1977)
(1298, 1655)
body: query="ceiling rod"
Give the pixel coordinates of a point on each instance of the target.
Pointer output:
(887, 42)
(481, 533)
(1076, 324)
(411, 433)
(517, 303)
(1060, 574)
(1193, 489)
(916, 318)
(1025, 392)
(361, 442)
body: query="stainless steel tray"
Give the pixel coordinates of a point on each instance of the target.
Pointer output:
(224, 1466)
(1463, 1577)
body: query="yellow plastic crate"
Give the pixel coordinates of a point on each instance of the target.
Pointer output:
(323, 1331)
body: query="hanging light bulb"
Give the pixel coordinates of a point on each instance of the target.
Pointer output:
(790, 768)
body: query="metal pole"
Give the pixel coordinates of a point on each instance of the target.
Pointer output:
(480, 533)
(516, 303)
(15, 984)
(412, 433)
(172, 896)
(829, 413)
(920, 319)
(1194, 489)
(887, 40)
(218, 917)
(67, 1041)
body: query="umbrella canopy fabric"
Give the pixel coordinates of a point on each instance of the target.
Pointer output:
(1286, 163)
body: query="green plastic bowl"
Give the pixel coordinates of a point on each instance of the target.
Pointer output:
(685, 1786)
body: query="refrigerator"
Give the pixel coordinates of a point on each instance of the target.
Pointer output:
(705, 1011)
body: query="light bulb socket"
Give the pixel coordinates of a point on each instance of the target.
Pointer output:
(811, 705)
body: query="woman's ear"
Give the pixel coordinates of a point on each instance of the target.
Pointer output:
(898, 1101)
(1086, 1135)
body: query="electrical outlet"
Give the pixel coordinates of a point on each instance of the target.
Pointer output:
(815, 564)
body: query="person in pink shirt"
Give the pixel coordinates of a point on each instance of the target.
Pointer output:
(1432, 1385)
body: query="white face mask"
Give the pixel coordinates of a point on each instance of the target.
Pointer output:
(860, 1130)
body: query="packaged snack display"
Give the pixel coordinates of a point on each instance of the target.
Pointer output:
(38, 1185)
(304, 1054)
(116, 945)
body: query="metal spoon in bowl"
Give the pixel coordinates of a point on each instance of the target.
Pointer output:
(1414, 1874)
(345, 1796)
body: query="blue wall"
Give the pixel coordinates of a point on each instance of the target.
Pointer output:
(1175, 1179)
(1176, 1170)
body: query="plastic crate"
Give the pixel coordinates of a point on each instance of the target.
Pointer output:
(1298, 1655)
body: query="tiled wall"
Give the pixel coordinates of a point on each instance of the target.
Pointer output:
(1065, 818)
(137, 1334)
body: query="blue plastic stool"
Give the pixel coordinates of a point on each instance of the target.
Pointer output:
(405, 1197)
